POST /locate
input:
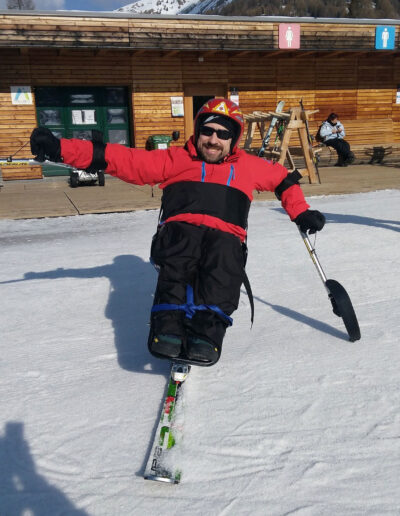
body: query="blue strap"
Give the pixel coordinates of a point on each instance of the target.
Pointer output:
(231, 175)
(190, 308)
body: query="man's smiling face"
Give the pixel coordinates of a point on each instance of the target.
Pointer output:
(212, 148)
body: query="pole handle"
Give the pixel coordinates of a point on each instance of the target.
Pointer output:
(313, 255)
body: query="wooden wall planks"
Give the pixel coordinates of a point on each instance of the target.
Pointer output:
(340, 71)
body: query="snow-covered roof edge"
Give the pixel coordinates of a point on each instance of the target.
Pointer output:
(199, 17)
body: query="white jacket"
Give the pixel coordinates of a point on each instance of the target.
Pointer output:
(326, 131)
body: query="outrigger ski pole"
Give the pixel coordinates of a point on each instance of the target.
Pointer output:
(341, 303)
(9, 160)
(32, 162)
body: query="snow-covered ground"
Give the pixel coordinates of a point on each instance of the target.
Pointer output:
(294, 419)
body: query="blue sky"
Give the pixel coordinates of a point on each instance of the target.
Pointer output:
(82, 5)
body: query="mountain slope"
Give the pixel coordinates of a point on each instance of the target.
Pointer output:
(301, 8)
(173, 6)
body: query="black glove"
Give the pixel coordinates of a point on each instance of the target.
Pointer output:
(45, 145)
(310, 220)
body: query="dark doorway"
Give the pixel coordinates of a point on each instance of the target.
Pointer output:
(198, 101)
(195, 95)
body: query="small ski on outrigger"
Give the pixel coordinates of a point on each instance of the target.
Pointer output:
(158, 467)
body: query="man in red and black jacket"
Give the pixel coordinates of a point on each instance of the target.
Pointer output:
(198, 249)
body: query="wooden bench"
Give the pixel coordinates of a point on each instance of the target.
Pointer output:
(378, 153)
(371, 141)
(383, 154)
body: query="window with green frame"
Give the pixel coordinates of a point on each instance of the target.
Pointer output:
(75, 112)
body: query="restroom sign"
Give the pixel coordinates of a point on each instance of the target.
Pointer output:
(385, 38)
(289, 35)
(21, 95)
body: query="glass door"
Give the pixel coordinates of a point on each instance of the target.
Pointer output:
(75, 112)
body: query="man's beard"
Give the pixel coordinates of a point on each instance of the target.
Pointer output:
(207, 159)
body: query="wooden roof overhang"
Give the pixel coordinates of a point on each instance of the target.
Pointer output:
(83, 30)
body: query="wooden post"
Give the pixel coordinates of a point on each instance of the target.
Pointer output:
(250, 134)
(296, 122)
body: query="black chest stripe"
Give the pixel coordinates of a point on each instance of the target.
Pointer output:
(224, 202)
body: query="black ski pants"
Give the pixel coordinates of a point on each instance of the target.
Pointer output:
(342, 148)
(211, 262)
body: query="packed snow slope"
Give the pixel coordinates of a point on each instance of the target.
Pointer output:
(294, 419)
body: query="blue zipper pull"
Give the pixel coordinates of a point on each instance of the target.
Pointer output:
(203, 172)
(231, 175)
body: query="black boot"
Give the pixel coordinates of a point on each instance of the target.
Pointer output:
(167, 345)
(202, 350)
(204, 335)
(166, 335)
(350, 158)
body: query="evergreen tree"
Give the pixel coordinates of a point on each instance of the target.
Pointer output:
(313, 8)
(387, 8)
(23, 5)
(361, 9)
(336, 9)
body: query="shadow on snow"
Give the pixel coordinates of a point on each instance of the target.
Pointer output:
(132, 283)
(22, 489)
(305, 319)
(338, 218)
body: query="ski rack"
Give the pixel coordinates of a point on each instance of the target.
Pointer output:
(296, 119)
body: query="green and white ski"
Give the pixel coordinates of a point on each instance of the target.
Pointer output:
(158, 466)
(267, 137)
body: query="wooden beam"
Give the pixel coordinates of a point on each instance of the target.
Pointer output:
(209, 53)
(171, 53)
(272, 53)
(240, 54)
(139, 52)
(62, 51)
(306, 53)
(335, 54)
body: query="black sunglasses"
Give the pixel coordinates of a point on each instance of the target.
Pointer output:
(222, 134)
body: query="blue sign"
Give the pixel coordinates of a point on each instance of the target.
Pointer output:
(385, 38)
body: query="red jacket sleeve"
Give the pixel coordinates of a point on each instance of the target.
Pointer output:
(77, 153)
(293, 201)
(268, 176)
(135, 166)
(138, 166)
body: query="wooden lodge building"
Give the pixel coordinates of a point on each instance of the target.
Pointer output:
(133, 76)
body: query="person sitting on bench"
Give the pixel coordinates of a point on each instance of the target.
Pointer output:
(332, 133)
